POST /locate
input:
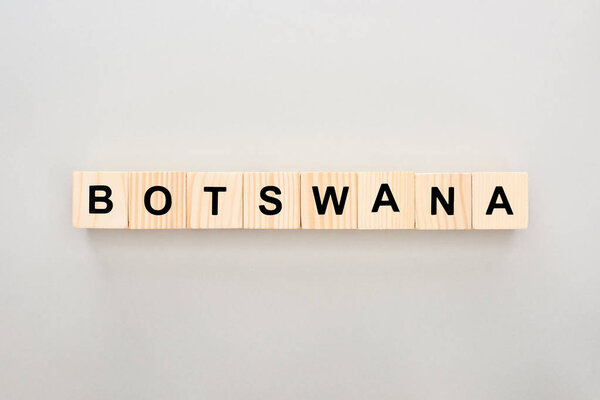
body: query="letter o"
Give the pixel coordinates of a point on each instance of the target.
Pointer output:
(168, 200)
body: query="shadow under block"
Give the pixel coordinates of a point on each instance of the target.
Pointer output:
(214, 200)
(386, 200)
(271, 200)
(109, 192)
(157, 200)
(443, 201)
(328, 200)
(500, 200)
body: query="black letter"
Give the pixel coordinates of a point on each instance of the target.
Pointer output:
(385, 189)
(330, 193)
(104, 199)
(270, 199)
(499, 192)
(448, 205)
(168, 200)
(215, 197)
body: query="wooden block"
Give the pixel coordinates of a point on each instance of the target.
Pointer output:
(500, 200)
(214, 200)
(271, 200)
(108, 192)
(157, 200)
(443, 201)
(386, 200)
(328, 200)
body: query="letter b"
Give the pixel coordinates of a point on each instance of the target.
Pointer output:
(100, 199)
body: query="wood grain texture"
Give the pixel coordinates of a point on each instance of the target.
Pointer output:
(289, 185)
(462, 201)
(118, 184)
(402, 185)
(515, 187)
(310, 219)
(139, 217)
(200, 203)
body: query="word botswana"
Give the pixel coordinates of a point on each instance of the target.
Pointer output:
(294, 200)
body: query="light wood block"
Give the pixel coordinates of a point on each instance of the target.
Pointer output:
(427, 189)
(500, 200)
(110, 191)
(157, 188)
(386, 200)
(214, 200)
(271, 200)
(318, 214)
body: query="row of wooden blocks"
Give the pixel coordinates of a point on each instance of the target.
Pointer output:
(294, 200)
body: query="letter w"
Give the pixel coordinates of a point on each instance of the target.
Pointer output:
(338, 206)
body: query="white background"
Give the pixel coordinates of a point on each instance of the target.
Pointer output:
(311, 85)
